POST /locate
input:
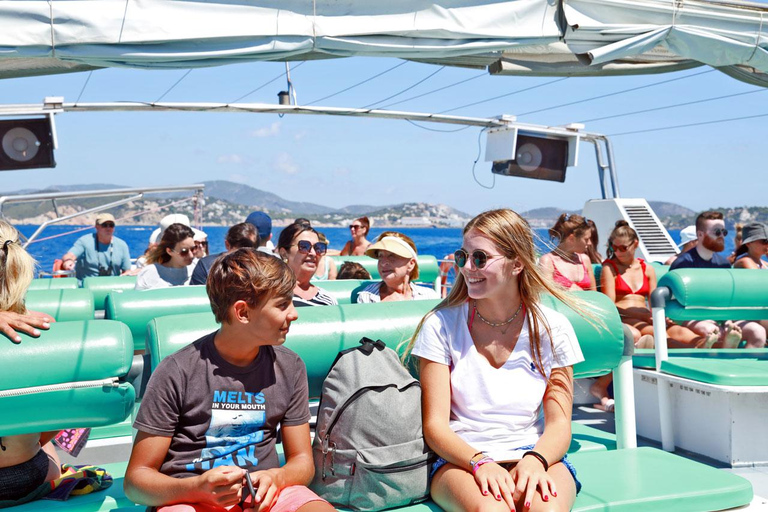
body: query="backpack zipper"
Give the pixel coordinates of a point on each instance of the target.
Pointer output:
(112, 382)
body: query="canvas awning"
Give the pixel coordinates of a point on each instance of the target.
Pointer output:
(513, 37)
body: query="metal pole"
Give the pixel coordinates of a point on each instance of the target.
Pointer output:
(666, 426)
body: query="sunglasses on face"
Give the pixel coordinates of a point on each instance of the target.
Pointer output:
(108, 225)
(201, 244)
(620, 248)
(479, 258)
(719, 232)
(182, 252)
(305, 246)
(355, 226)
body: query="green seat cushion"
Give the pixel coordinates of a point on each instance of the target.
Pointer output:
(722, 372)
(716, 294)
(344, 290)
(64, 305)
(646, 357)
(68, 283)
(585, 439)
(100, 286)
(650, 479)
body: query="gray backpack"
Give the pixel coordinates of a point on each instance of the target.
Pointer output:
(369, 450)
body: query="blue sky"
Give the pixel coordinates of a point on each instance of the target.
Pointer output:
(340, 161)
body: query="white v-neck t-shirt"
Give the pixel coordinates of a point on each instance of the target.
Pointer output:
(494, 410)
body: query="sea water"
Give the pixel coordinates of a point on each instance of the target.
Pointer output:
(55, 241)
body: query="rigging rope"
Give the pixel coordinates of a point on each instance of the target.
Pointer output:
(359, 83)
(716, 121)
(407, 88)
(87, 79)
(504, 95)
(297, 66)
(435, 90)
(174, 85)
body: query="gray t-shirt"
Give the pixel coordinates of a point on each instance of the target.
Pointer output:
(159, 276)
(219, 414)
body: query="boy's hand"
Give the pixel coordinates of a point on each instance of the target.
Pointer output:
(10, 323)
(222, 485)
(268, 485)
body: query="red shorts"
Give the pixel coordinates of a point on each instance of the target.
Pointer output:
(290, 499)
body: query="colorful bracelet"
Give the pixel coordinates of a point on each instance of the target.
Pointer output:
(484, 460)
(540, 457)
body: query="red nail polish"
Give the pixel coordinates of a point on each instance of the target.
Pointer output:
(485, 493)
(527, 504)
(546, 498)
(554, 494)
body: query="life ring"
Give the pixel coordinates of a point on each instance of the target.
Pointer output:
(446, 267)
(57, 270)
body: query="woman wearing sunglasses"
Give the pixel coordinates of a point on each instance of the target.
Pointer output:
(569, 264)
(359, 244)
(398, 268)
(491, 358)
(170, 262)
(300, 247)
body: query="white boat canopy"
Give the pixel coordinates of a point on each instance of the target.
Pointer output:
(509, 37)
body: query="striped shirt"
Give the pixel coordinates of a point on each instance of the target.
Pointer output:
(321, 298)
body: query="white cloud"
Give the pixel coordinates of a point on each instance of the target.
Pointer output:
(285, 164)
(232, 158)
(267, 131)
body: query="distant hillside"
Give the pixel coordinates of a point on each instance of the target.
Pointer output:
(239, 193)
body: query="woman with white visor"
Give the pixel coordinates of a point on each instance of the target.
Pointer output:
(398, 269)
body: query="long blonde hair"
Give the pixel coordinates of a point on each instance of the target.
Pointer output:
(513, 237)
(17, 269)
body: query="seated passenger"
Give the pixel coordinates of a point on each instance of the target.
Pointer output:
(209, 419)
(688, 241)
(711, 233)
(352, 270)
(568, 265)
(594, 242)
(300, 247)
(170, 263)
(27, 461)
(753, 248)
(398, 269)
(496, 370)
(359, 244)
(238, 236)
(326, 267)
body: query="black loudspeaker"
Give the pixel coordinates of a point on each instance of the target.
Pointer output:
(26, 144)
(536, 158)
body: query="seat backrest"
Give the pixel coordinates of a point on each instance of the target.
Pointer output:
(63, 304)
(74, 375)
(321, 332)
(429, 269)
(343, 290)
(716, 294)
(100, 286)
(69, 283)
(136, 308)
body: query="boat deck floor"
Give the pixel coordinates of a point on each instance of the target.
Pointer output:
(757, 475)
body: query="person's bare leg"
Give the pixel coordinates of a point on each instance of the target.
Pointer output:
(54, 464)
(731, 335)
(316, 506)
(455, 490)
(599, 389)
(753, 333)
(682, 337)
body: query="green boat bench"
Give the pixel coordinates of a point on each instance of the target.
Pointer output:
(63, 304)
(622, 479)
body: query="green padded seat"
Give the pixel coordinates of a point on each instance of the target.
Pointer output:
(716, 294)
(100, 286)
(429, 268)
(136, 308)
(72, 376)
(586, 439)
(343, 290)
(60, 283)
(660, 269)
(650, 479)
(726, 372)
(64, 305)
(646, 357)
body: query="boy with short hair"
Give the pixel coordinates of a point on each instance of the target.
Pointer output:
(211, 410)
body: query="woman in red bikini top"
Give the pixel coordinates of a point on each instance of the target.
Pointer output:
(628, 281)
(568, 265)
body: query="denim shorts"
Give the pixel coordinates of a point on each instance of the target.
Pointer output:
(440, 462)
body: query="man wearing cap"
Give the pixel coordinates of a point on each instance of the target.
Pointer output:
(263, 224)
(688, 241)
(100, 253)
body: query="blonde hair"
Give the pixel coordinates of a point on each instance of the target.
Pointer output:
(513, 237)
(17, 269)
(405, 238)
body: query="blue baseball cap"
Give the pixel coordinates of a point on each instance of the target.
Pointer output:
(263, 223)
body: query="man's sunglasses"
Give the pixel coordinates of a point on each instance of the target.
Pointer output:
(719, 232)
(479, 258)
(305, 246)
(108, 225)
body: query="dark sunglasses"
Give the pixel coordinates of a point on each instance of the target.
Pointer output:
(182, 252)
(620, 248)
(355, 226)
(479, 258)
(203, 244)
(305, 246)
(719, 232)
(108, 225)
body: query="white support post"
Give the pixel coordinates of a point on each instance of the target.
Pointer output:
(624, 393)
(666, 425)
